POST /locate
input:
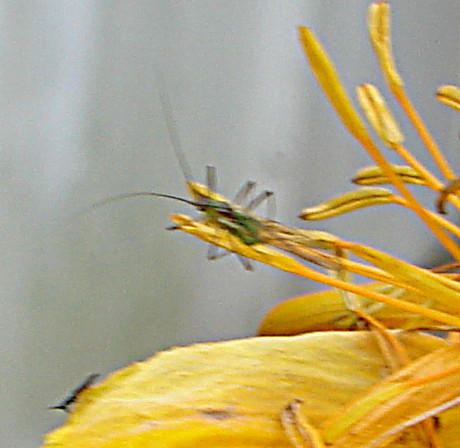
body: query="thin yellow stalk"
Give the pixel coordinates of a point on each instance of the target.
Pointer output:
(354, 267)
(434, 377)
(265, 255)
(412, 202)
(425, 135)
(407, 306)
(397, 355)
(381, 119)
(432, 181)
(448, 225)
(380, 35)
(329, 80)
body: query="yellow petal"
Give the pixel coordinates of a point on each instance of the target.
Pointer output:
(364, 197)
(374, 175)
(229, 393)
(450, 96)
(326, 310)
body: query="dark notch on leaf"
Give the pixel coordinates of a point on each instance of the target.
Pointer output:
(65, 404)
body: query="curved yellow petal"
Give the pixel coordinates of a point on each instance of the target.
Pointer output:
(228, 394)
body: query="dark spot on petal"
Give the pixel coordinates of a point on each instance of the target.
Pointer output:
(217, 414)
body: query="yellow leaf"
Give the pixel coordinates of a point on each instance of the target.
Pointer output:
(229, 393)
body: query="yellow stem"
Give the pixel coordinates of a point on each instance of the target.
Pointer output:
(412, 202)
(373, 295)
(448, 225)
(434, 377)
(431, 180)
(420, 127)
(357, 268)
(268, 256)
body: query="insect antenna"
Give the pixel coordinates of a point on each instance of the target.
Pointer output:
(122, 196)
(172, 130)
(98, 204)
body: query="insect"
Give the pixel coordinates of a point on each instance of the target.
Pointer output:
(241, 221)
(216, 209)
(233, 217)
(65, 404)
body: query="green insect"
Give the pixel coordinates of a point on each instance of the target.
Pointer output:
(217, 210)
(237, 216)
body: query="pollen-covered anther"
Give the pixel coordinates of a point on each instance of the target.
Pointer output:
(329, 80)
(449, 95)
(364, 197)
(380, 34)
(374, 175)
(379, 115)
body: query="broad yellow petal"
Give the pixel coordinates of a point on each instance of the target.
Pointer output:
(229, 393)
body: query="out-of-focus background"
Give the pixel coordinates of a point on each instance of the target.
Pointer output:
(81, 120)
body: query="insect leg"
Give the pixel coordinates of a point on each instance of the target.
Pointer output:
(214, 254)
(211, 177)
(259, 199)
(244, 191)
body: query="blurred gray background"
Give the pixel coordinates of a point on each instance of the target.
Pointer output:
(81, 120)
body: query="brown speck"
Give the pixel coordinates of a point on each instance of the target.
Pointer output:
(217, 414)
